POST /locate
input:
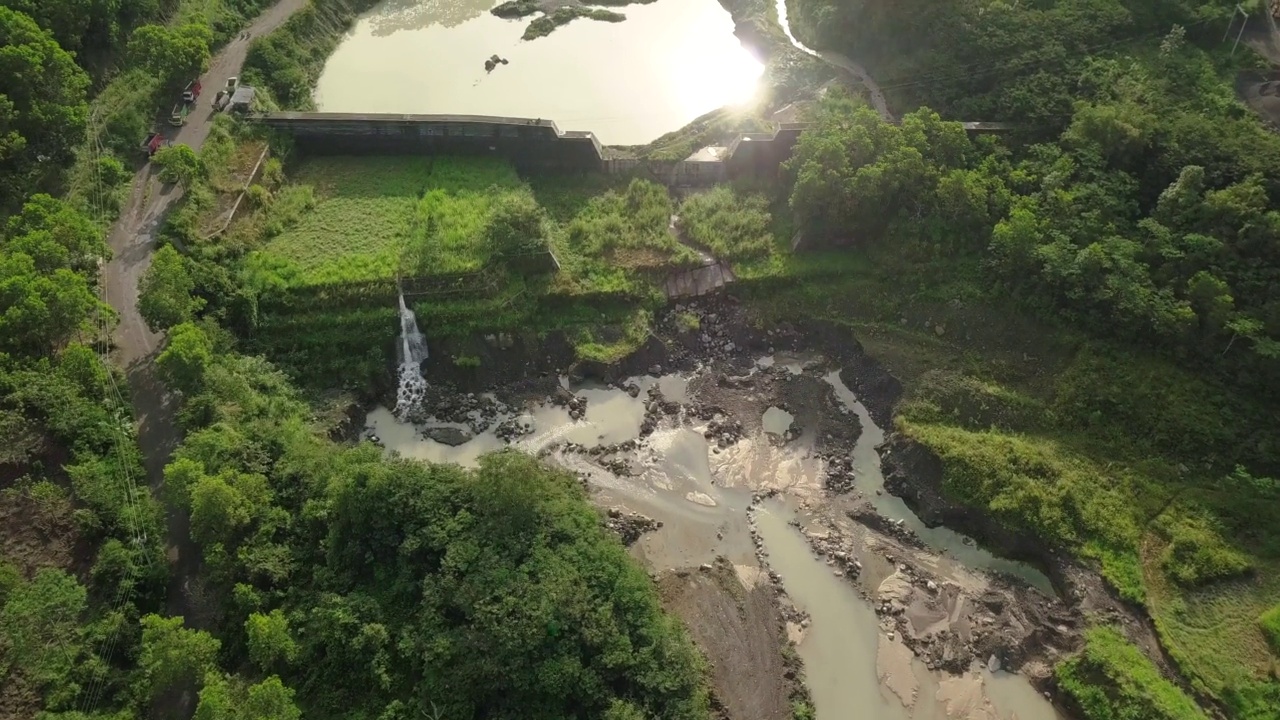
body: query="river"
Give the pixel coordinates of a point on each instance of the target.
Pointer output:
(630, 82)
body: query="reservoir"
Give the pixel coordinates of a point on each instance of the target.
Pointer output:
(629, 82)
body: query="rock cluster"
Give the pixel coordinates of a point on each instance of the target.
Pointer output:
(629, 526)
(865, 514)
(839, 554)
(839, 477)
(476, 412)
(575, 404)
(512, 428)
(618, 466)
(447, 435)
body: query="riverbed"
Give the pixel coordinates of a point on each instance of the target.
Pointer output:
(726, 464)
(629, 82)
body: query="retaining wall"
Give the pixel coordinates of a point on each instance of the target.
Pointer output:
(532, 145)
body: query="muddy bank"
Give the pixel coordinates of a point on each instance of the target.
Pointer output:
(735, 616)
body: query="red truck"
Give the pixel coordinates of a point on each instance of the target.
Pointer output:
(191, 91)
(154, 142)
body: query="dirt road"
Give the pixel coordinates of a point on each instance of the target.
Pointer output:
(854, 73)
(132, 240)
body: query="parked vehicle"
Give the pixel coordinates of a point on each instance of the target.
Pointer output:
(178, 117)
(232, 84)
(191, 91)
(154, 142)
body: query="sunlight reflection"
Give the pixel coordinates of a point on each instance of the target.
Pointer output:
(628, 82)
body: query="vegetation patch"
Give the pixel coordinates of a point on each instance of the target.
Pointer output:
(1112, 680)
(732, 226)
(1270, 623)
(370, 218)
(630, 229)
(612, 342)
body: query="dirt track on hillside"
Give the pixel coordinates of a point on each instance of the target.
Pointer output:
(132, 240)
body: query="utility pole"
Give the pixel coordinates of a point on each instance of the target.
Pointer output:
(1243, 24)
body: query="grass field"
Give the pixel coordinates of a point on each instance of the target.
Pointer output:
(379, 217)
(343, 219)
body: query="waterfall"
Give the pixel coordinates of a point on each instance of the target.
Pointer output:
(413, 350)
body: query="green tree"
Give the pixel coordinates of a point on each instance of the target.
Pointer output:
(178, 164)
(43, 107)
(40, 312)
(164, 294)
(40, 630)
(173, 655)
(218, 511)
(66, 20)
(72, 230)
(269, 638)
(187, 354)
(217, 699)
(179, 477)
(175, 55)
(271, 700)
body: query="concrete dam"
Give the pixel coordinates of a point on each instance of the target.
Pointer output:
(532, 145)
(537, 145)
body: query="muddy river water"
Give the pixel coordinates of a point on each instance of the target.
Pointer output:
(703, 491)
(628, 82)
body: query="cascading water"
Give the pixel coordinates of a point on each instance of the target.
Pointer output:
(413, 350)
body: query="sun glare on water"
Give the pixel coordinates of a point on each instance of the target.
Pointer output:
(629, 82)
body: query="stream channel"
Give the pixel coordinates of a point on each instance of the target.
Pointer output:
(702, 493)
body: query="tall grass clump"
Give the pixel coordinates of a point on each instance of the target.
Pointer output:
(730, 225)
(1270, 622)
(629, 228)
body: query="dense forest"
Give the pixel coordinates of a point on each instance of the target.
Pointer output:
(1132, 211)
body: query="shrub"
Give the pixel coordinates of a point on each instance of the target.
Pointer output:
(273, 172)
(258, 196)
(1270, 622)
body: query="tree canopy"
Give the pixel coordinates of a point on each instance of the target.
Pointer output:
(488, 593)
(43, 106)
(175, 55)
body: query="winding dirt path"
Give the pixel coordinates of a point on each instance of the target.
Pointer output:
(853, 71)
(132, 240)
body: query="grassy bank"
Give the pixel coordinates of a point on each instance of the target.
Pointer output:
(287, 63)
(1111, 679)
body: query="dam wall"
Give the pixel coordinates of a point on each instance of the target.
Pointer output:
(537, 145)
(532, 145)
